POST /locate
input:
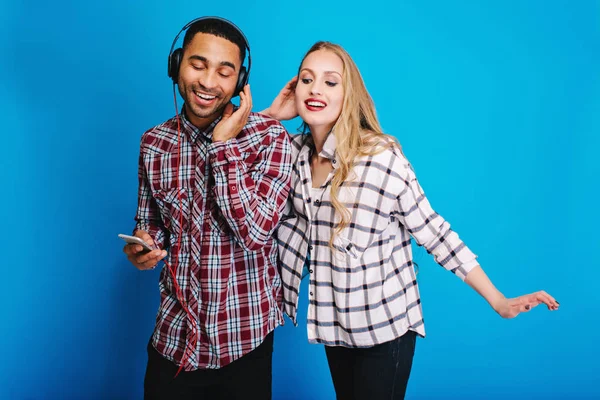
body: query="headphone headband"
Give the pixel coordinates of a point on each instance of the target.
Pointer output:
(192, 22)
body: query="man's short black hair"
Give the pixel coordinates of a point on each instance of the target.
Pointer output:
(217, 28)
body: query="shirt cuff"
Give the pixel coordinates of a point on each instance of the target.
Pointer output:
(463, 269)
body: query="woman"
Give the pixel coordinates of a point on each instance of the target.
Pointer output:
(354, 204)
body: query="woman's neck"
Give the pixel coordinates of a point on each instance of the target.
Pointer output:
(319, 135)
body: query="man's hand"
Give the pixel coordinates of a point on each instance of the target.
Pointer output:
(232, 123)
(140, 258)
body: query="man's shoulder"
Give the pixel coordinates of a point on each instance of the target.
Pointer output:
(297, 140)
(161, 137)
(263, 126)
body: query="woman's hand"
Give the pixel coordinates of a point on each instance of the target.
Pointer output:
(284, 105)
(510, 308)
(507, 308)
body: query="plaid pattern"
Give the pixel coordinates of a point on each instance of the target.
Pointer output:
(232, 196)
(364, 292)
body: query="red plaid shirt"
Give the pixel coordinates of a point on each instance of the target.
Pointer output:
(230, 196)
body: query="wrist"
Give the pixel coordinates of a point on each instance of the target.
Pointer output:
(267, 112)
(221, 138)
(498, 302)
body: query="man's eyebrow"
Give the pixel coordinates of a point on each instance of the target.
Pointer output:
(227, 64)
(205, 60)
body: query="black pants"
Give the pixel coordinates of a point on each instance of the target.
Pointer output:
(374, 373)
(248, 377)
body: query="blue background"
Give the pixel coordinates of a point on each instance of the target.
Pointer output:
(497, 105)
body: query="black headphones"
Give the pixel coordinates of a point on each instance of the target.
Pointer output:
(175, 56)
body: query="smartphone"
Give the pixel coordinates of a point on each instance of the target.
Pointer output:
(136, 240)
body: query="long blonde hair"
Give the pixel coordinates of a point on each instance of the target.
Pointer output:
(357, 130)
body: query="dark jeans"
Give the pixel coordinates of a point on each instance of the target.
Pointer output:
(248, 377)
(373, 373)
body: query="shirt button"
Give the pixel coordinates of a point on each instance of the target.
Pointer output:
(233, 188)
(311, 293)
(333, 161)
(317, 202)
(310, 248)
(310, 270)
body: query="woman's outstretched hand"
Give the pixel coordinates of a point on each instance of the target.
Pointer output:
(507, 308)
(510, 308)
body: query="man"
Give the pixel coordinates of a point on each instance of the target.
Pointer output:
(213, 185)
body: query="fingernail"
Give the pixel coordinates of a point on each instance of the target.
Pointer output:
(527, 307)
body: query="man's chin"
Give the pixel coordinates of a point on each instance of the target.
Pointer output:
(206, 113)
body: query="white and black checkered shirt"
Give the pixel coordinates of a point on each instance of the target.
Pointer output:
(364, 292)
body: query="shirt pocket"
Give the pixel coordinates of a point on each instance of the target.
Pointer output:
(173, 204)
(345, 246)
(171, 196)
(364, 247)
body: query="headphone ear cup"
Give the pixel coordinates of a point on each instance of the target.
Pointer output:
(174, 64)
(242, 81)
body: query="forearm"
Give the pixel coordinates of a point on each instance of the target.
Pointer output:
(267, 112)
(251, 201)
(480, 282)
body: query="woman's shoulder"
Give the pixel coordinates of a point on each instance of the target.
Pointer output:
(385, 148)
(385, 158)
(298, 140)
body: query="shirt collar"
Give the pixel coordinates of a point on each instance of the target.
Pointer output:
(328, 151)
(329, 147)
(194, 132)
